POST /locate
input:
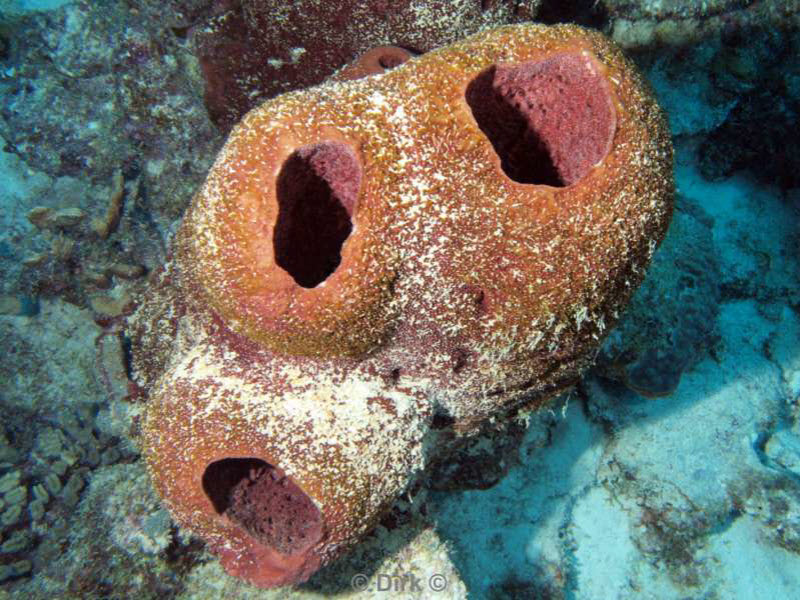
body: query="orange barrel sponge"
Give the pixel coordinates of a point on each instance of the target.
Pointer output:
(377, 270)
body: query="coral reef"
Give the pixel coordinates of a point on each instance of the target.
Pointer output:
(742, 99)
(649, 349)
(679, 23)
(137, 539)
(376, 268)
(56, 430)
(256, 49)
(89, 89)
(761, 69)
(41, 481)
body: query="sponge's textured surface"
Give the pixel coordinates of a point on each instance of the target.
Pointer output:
(372, 262)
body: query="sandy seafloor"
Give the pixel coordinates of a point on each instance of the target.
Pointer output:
(676, 478)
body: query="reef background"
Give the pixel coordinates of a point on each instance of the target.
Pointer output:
(671, 471)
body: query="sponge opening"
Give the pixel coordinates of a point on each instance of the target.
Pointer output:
(550, 122)
(317, 189)
(266, 503)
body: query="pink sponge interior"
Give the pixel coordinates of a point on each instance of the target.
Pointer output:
(317, 189)
(265, 503)
(550, 121)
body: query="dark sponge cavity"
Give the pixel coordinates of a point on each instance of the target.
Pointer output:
(265, 503)
(317, 189)
(550, 121)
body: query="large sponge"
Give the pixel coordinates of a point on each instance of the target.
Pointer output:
(376, 269)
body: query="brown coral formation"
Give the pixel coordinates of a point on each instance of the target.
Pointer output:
(377, 268)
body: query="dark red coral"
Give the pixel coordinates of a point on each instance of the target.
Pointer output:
(256, 49)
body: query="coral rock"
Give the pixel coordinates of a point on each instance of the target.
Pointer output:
(377, 269)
